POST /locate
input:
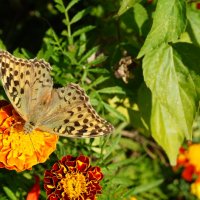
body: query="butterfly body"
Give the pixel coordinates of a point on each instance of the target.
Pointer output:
(64, 111)
(29, 127)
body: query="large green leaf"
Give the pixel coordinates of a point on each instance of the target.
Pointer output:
(165, 130)
(168, 23)
(194, 24)
(189, 55)
(125, 5)
(174, 98)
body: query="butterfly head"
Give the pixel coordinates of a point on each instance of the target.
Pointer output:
(29, 127)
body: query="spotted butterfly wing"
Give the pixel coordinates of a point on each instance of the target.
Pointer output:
(27, 83)
(73, 116)
(64, 111)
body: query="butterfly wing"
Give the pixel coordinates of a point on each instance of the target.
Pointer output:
(64, 111)
(27, 83)
(70, 114)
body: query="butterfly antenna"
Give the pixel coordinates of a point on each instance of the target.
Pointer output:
(38, 161)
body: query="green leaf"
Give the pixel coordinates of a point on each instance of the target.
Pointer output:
(88, 54)
(140, 16)
(194, 23)
(125, 5)
(99, 59)
(122, 181)
(144, 104)
(83, 30)
(79, 16)
(71, 4)
(112, 90)
(114, 112)
(9, 193)
(146, 187)
(82, 44)
(70, 55)
(98, 70)
(168, 23)
(189, 55)
(99, 80)
(60, 6)
(2, 46)
(174, 98)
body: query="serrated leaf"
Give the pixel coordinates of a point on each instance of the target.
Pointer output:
(9, 193)
(83, 30)
(168, 23)
(79, 16)
(174, 98)
(125, 5)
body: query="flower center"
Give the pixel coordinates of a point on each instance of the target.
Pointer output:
(74, 185)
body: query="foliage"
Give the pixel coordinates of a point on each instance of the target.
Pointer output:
(138, 60)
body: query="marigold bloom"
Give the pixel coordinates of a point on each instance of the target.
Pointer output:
(72, 178)
(188, 172)
(193, 156)
(195, 188)
(189, 159)
(182, 159)
(20, 151)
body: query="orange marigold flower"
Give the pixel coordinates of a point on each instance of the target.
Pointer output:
(193, 156)
(182, 159)
(20, 151)
(72, 178)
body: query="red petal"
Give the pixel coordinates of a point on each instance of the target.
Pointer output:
(34, 193)
(95, 173)
(188, 172)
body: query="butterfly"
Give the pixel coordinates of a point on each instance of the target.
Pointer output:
(65, 111)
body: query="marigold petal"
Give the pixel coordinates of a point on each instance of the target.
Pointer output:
(75, 181)
(95, 174)
(81, 166)
(193, 156)
(20, 151)
(34, 193)
(195, 189)
(188, 172)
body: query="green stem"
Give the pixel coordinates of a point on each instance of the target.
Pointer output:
(70, 38)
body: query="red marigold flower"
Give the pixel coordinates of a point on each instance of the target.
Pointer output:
(72, 178)
(34, 193)
(20, 151)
